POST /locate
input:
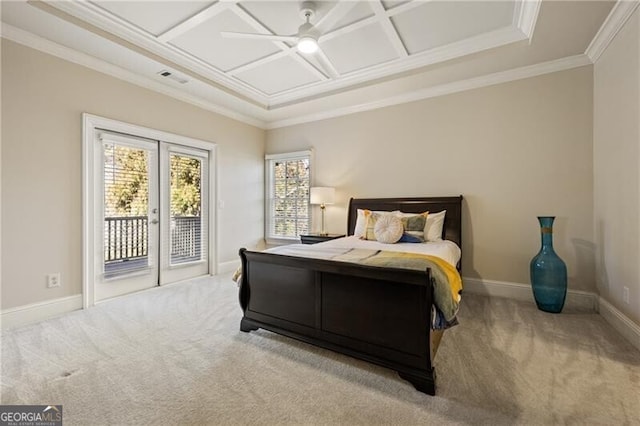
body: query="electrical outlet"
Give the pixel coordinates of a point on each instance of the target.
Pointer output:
(53, 280)
(625, 295)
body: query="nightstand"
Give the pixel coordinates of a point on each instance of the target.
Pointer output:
(317, 238)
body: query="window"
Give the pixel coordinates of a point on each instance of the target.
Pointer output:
(288, 182)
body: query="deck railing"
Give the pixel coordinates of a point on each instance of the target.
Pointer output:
(127, 238)
(186, 243)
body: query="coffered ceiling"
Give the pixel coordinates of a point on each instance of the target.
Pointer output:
(364, 45)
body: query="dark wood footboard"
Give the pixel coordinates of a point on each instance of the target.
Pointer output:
(380, 315)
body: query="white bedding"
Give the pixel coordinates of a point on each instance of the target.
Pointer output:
(447, 250)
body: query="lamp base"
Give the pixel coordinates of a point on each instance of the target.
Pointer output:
(323, 233)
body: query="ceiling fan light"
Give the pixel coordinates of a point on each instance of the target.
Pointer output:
(307, 45)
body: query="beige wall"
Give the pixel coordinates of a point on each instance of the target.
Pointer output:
(616, 165)
(515, 151)
(43, 99)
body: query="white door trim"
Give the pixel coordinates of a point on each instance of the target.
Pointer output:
(90, 123)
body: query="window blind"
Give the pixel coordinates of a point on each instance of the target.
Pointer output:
(289, 180)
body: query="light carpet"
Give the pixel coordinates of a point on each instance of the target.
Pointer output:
(175, 355)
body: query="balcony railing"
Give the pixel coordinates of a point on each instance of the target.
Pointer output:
(125, 237)
(186, 241)
(126, 241)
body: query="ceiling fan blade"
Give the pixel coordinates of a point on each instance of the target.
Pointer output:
(255, 36)
(326, 64)
(338, 12)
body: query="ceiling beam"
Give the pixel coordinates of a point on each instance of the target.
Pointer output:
(349, 28)
(385, 21)
(195, 20)
(336, 13)
(405, 7)
(250, 65)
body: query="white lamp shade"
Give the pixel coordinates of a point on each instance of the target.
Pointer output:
(322, 195)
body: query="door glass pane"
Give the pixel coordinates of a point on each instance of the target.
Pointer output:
(187, 242)
(126, 206)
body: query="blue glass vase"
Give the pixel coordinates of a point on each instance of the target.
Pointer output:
(548, 271)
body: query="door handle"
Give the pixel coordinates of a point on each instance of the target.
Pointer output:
(154, 221)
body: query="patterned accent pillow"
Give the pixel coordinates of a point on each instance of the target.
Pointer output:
(361, 223)
(369, 233)
(414, 224)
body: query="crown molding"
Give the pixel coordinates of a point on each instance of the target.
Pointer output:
(618, 16)
(90, 14)
(444, 89)
(458, 49)
(528, 16)
(33, 41)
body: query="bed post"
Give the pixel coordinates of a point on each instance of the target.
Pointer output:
(245, 324)
(426, 383)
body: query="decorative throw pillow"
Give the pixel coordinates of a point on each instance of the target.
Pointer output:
(414, 224)
(407, 238)
(433, 226)
(361, 223)
(371, 223)
(388, 229)
(372, 218)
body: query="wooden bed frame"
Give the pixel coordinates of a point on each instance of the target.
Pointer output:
(380, 315)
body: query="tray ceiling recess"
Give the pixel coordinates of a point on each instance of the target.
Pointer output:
(359, 41)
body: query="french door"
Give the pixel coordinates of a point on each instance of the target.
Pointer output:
(151, 207)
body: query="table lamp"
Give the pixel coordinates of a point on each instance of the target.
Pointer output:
(322, 195)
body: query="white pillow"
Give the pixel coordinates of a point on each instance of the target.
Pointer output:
(433, 226)
(388, 229)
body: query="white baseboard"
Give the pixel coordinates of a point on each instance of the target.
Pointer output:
(231, 266)
(34, 312)
(497, 289)
(619, 321)
(576, 300)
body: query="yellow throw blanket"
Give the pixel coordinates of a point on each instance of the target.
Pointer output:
(446, 279)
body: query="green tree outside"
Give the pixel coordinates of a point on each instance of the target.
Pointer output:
(127, 183)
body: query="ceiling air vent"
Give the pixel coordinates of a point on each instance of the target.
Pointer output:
(172, 76)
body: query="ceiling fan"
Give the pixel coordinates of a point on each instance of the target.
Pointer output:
(306, 40)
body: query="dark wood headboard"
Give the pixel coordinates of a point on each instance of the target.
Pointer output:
(452, 229)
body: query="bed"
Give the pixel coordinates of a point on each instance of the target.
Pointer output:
(377, 314)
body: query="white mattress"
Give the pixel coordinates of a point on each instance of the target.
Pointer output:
(447, 250)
